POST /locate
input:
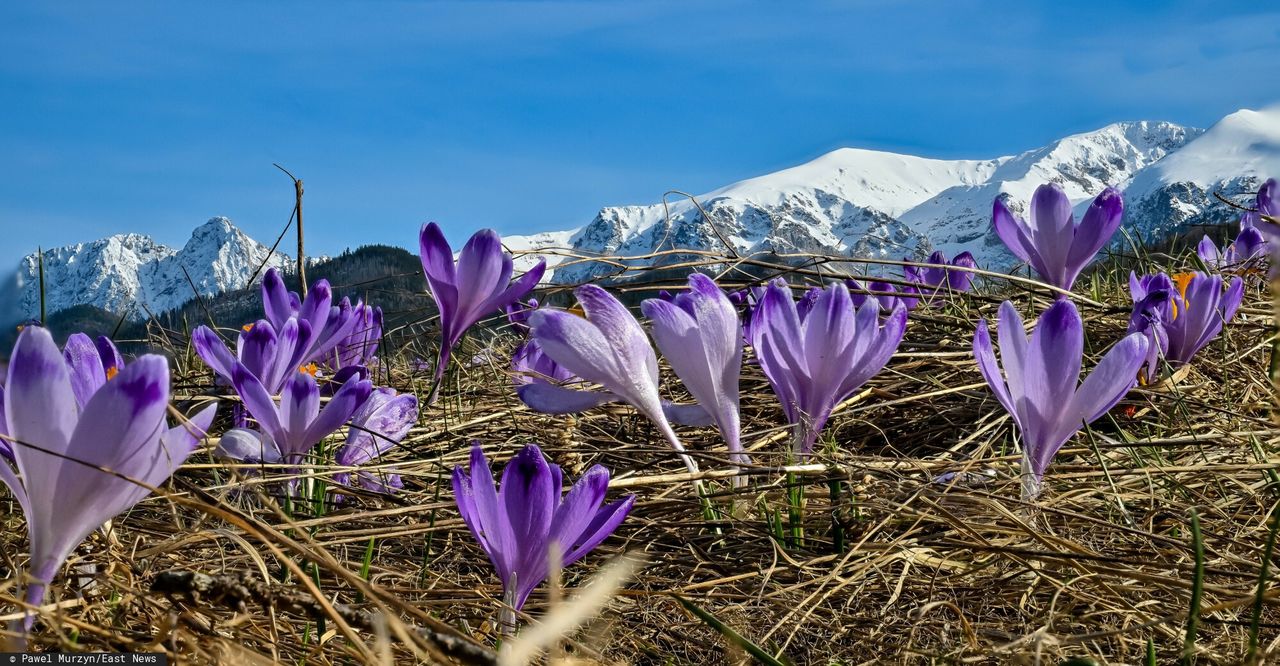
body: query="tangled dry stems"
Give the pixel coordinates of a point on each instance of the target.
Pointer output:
(891, 567)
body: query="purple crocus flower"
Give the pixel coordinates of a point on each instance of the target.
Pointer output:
(361, 345)
(608, 348)
(1050, 240)
(1039, 384)
(517, 524)
(529, 365)
(329, 324)
(380, 423)
(271, 354)
(60, 449)
(884, 293)
(933, 280)
(1248, 248)
(297, 424)
(518, 314)
(1181, 314)
(1267, 203)
(816, 360)
(477, 284)
(91, 363)
(699, 333)
(747, 299)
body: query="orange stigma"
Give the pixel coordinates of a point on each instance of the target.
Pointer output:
(1182, 280)
(112, 372)
(246, 328)
(309, 368)
(577, 310)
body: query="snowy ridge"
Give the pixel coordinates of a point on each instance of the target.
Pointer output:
(864, 203)
(852, 202)
(1233, 158)
(132, 275)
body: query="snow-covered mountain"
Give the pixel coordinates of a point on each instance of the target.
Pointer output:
(864, 203)
(1233, 158)
(132, 275)
(853, 202)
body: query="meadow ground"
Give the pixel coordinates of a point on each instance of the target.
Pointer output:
(855, 556)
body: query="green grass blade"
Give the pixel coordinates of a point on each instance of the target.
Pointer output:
(1255, 617)
(758, 653)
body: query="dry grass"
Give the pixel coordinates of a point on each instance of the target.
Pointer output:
(925, 573)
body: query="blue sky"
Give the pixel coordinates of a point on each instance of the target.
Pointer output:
(527, 116)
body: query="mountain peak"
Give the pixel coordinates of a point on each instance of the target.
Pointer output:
(132, 274)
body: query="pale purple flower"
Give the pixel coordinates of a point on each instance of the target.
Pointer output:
(91, 363)
(699, 333)
(884, 293)
(360, 346)
(529, 365)
(1267, 203)
(478, 283)
(1247, 250)
(380, 423)
(931, 281)
(518, 314)
(517, 523)
(289, 430)
(817, 360)
(1050, 240)
(1040, 384)
(60, 448)
(328, 324)
(1181, 314)
(270, 354)
(608, 348)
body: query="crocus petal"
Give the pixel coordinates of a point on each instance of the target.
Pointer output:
(257, 352)
(299, 405)
(552, 399)
(1052, 229)
(1052, 367)
(109, 354)
(185, 437)
(437, 265)
(275, 298)
(529, 496)
(258, 402)
(605, 523)
(378, 425)
(579, 508)
(478, 503)
(688, 414)
(213, 351)
(1208, 252)
(40, 408)
(339, 408)
(986, 357)
(1015, 234)
(1269, 198)
(1096, 229)
(248, 446)
(961, 280)
(87, 373)
(519, 288)
(1114, 375)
